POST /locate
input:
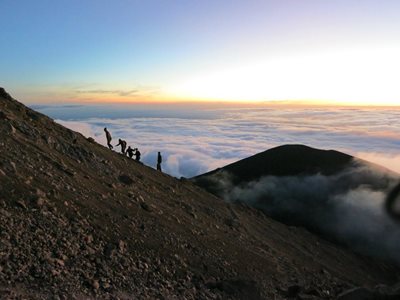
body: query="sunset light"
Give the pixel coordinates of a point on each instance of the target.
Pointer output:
(315, 52)
(352, 77)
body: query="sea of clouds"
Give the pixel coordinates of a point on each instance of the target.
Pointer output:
(194, 139)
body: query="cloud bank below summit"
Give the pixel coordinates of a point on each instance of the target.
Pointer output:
(346, 207)
(195, 140)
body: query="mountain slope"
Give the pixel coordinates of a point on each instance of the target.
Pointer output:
(79, 220)
(288, 160)
(333, 194)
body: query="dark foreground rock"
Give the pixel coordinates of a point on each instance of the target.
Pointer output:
(380, 292)
(79, 221)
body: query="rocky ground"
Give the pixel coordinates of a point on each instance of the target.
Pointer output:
(81, 221)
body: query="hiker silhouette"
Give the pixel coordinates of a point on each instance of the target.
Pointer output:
(137, 154)
(130, 151)
(122, 143)
(109, 138)
(159, 161)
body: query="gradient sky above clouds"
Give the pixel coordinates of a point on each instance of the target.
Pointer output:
(194, 141)
(343, 51)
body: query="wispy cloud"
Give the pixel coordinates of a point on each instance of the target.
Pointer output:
(122, 93)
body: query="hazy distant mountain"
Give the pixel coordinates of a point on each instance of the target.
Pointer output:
(328, 192)
(81, 221)
(286, 160)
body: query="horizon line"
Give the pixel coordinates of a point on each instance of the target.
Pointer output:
(273, 103)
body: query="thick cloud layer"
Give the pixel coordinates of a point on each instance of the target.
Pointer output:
(346, 207)
(196, 139)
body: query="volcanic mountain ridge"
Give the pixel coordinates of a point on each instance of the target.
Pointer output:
(81, 221)
(337, 196)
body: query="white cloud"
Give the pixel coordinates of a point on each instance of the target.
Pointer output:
(347, 206)
(78, 126)
(196, 140)
(388, 160)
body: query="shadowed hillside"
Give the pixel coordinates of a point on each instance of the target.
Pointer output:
(328, 192)
(81, 221)
(287, 160)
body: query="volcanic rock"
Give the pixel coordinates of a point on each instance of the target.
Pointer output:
(95, 238)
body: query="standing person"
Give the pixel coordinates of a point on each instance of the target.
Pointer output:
(137, 154)
(159, 161)
(122, 143)
(130, 151)
(109, 138)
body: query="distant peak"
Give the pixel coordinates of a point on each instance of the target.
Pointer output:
(287, 160)
(299, 147)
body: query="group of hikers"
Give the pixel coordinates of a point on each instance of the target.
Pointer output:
(129, 151)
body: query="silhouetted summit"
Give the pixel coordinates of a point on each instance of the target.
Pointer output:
(287, 160)
(78, 220)
(330, 193)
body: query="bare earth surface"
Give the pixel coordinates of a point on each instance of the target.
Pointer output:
(81, 221)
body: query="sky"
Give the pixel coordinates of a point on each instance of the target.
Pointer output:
(343, 52)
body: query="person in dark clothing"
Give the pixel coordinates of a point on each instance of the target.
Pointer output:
(109, 138)
(130, 152)
(159, 161)
(122, 143)
(137, 154)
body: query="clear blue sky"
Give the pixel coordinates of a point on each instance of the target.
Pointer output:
(97, 50)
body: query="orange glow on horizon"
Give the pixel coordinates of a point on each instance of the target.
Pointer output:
(213, 102)
(63, 97)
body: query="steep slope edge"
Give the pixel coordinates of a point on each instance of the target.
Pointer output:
(79, 220)
(333, 194)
